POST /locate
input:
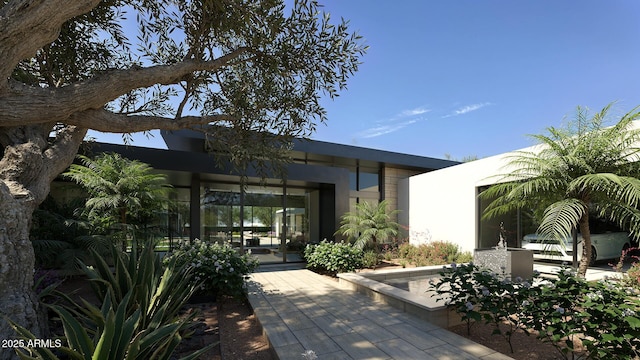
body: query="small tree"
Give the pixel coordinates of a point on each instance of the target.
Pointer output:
(122, 192)
(369, 224)
(585, 170)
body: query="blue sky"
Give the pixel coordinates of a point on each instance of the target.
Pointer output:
(474, 77)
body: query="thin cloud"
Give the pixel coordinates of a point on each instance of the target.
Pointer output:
(467, 109)
(385, 129)
(395, 123)
(413, 112)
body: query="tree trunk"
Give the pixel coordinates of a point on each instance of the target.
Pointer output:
(29, 161)
(18, 301)
(586, 245)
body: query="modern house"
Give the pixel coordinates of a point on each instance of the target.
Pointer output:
(444, 205)
(279, 216)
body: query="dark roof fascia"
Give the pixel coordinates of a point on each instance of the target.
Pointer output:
(189, 140)
(204, 163)
(368, 154)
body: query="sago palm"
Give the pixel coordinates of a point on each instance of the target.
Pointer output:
(584, 170)
(369, 224)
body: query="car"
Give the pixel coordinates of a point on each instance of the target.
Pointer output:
(604, 246)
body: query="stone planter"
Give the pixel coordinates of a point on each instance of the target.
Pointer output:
(510, 262)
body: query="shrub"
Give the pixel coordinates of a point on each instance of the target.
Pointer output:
(370, 259)
(220, 269)
(333, 258)
(602, 315)
(406, 251)
(633, 275)
(433, 253)
(390, 250)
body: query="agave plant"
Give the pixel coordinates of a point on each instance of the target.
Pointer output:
(160, 290)
(138, 317)
(116, 337)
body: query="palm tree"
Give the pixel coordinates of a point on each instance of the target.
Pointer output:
(121, 191)
(369, 224)
(584, 170)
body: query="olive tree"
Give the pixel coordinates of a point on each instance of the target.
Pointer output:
(249, 73)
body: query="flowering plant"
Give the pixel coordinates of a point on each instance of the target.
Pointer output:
(333, 258)
(601, 316)
(219, 268)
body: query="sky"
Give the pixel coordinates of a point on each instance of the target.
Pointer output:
(465, 78)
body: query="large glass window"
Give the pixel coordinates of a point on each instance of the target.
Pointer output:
(511, 226)
(353, 181)
(274, 227)
(218, 205)
(364, 180)
(365, 186)
(177, 221)
(369, 182)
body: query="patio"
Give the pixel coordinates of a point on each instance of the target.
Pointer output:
(300, 310)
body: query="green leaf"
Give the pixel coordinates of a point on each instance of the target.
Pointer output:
(633, 322)
(76, 335)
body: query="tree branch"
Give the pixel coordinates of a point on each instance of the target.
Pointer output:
(63, 150)
(28, 25)
(105, 121)
(29, 105)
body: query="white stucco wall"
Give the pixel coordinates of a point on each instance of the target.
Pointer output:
(443, 203)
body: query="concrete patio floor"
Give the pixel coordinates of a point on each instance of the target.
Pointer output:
(300, 310)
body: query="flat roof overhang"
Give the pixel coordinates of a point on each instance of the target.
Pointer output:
(321, 152)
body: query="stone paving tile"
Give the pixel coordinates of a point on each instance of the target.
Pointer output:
(417, 323)
(415, 336)
(312, 310)
(339, 355)
(281, 304)
(279, 334)
(267, 316)
(387, 316)
(347, 314)
(296, 320)
(450, 352)
(319, 342)
(331, 325)
(401, 349)
(462, 343)
(496, 356)
(370, 330)
(291, 351)
(300, 310)
(359, 348)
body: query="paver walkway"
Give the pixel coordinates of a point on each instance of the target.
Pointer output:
(300, 310)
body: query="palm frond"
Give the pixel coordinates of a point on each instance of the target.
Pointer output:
(625, 216)
(49, 246)
(369, 223)
(600, 182)
(561, 217)
(507, 197)
(628, 191)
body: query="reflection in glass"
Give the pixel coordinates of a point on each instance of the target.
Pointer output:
(262, 229)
